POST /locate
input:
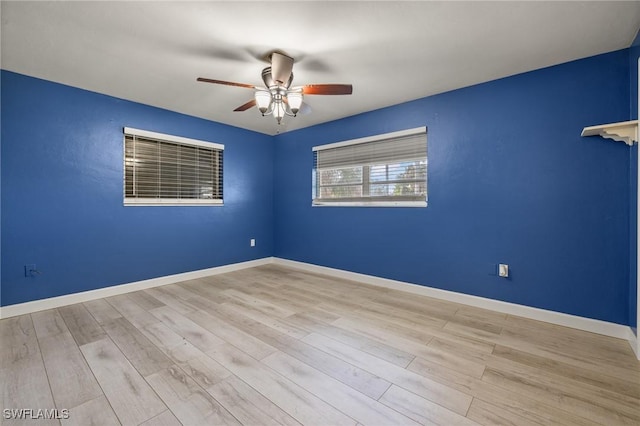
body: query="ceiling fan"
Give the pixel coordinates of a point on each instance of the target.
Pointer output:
(278, 97)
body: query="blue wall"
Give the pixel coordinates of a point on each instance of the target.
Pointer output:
(62, 195)
(510, 181)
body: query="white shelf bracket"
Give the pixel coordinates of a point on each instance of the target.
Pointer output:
(625, 131)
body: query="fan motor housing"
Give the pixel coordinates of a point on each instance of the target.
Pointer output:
(269, 82)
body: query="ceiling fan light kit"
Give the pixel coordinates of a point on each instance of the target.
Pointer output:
(263, 100)
(295, 102)
(278, 98)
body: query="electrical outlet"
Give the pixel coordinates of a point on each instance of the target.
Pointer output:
(252, 243)
(503, 270)
(30, 270)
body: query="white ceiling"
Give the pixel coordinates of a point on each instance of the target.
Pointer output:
(392, 52)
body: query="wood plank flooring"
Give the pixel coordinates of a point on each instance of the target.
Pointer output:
(278, 346)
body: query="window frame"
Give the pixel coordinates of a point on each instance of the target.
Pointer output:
(365, 182)
(180, 141)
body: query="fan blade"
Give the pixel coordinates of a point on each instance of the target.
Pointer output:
(327, 89)
(226, 83)
(246, 106)
(281, 66)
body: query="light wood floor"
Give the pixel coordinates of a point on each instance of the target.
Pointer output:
(272, 345)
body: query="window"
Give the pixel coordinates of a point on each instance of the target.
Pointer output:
(171, 170)
(383, 170)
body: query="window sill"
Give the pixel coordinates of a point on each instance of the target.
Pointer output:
(370, 204)
(159, 202)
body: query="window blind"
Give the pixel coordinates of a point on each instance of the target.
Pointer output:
(385, 170)
(164, 169)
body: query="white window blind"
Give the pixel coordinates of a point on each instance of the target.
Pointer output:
(163, 169)
(383, 170)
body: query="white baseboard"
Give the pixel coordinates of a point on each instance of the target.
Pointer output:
(573, 321)
(634, 341)
(85, 296)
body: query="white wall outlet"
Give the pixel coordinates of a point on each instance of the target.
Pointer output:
(503, 270)
(252, 242)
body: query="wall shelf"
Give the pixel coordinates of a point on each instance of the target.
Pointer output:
(625, 131)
